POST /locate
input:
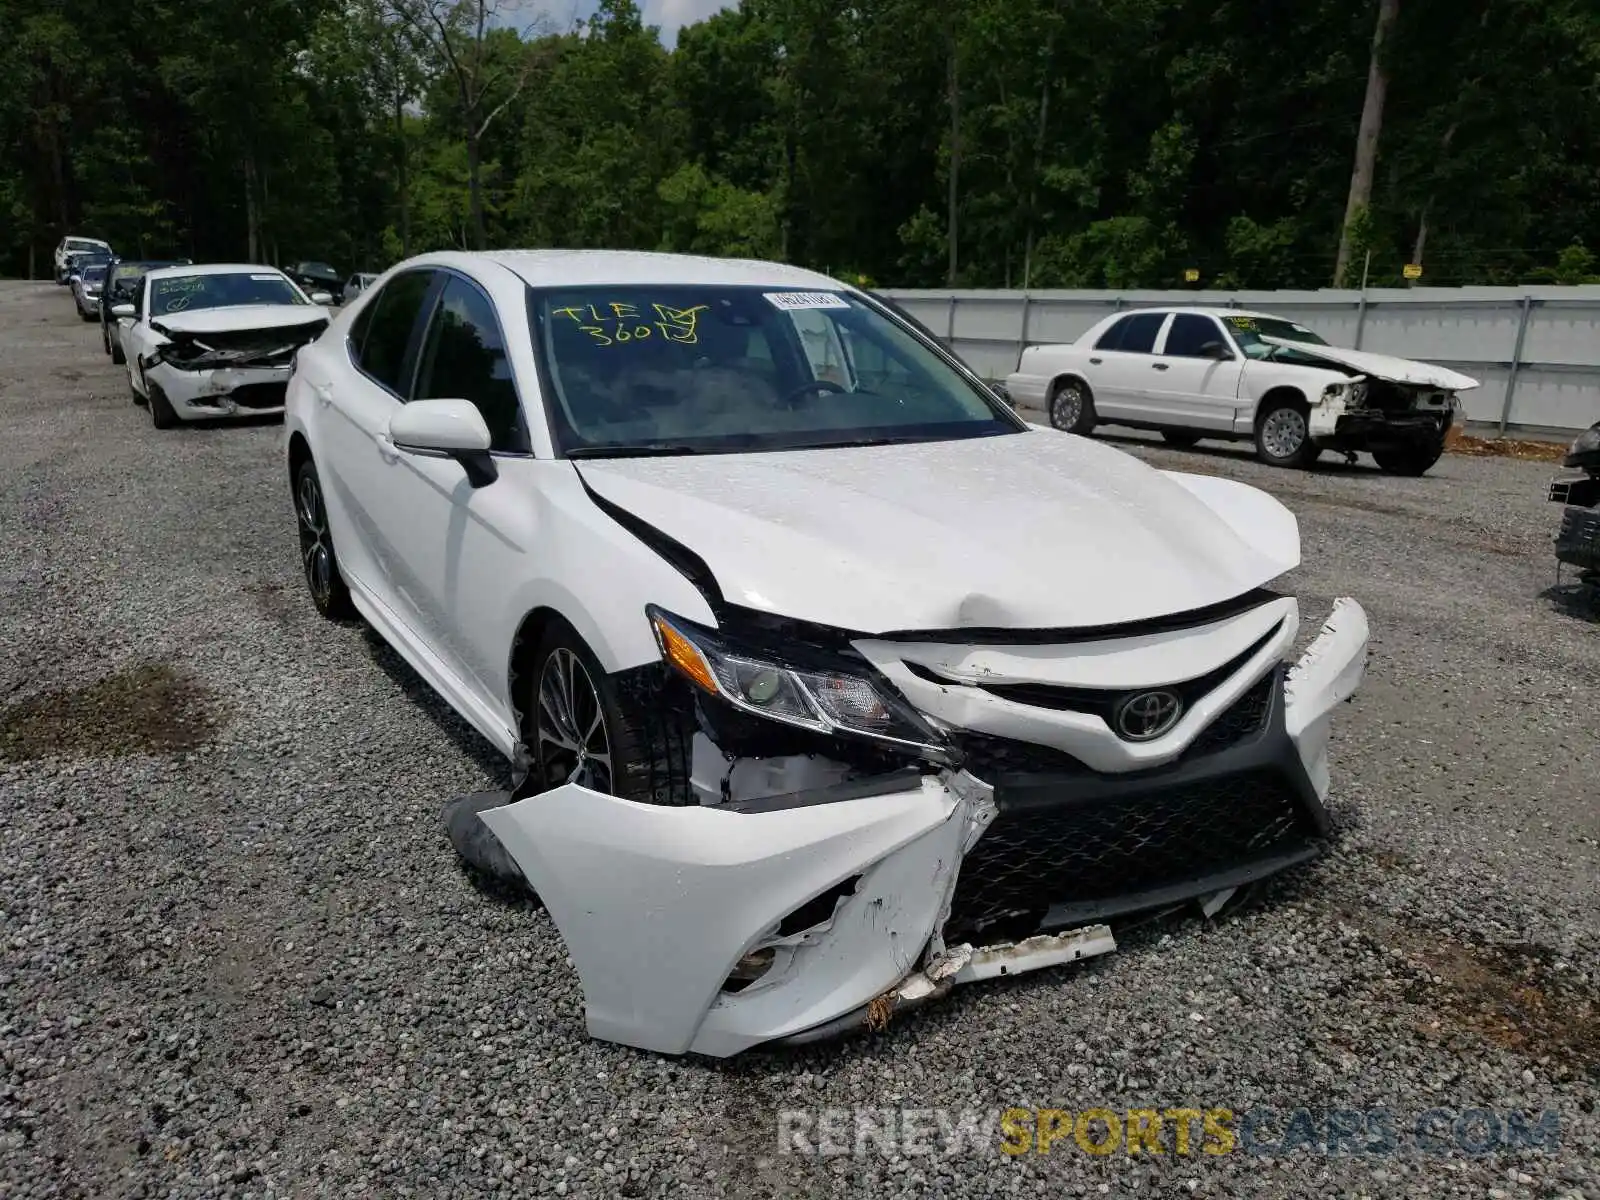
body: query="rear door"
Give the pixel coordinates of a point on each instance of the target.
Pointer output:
(351, 407)
(1119, 369)
(1195, 375)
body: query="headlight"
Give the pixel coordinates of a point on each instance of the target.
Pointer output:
(808, 695)
(1588, 441)
(1335, 391)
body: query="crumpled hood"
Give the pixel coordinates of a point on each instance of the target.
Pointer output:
(1383, 366)
(237, 317)
(1035, 530)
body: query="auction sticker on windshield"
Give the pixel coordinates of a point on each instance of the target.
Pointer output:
(797, 300)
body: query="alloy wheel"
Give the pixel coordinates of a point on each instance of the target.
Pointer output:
(1067, 407)
(570, 726)
(315, 551)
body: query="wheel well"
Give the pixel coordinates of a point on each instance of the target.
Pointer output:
(523, 646)
(1293, 395)
(1055, 384)
(299, 451)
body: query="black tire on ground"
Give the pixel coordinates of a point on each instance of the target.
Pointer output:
(319, 562)
(1180, 438)
(105, 338)
(1071, 405)
(1283, 436)
(1413, 460)
(116, 353)
(134, 393)
(161, 414)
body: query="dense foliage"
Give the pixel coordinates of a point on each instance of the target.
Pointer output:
(1075, 142)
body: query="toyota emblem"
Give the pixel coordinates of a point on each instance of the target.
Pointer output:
(1145, 716)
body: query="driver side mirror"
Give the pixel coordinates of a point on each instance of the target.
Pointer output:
(122, 310)
(321, 298)
(446, 429)
(1215, 350)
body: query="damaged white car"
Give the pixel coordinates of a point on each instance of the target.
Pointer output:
(1231, 374)
(211, 341)
(830, 683)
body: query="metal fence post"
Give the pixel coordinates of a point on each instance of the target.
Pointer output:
(950, 327)
(1516, 363)
(1361, 318)
(1022, 342)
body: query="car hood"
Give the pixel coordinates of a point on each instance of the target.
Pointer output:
(1383, 366)
(1036, 530)
(240, 316)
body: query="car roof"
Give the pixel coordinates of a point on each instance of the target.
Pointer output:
(1202, 311)
(74, 237)
(580, 268)
(185, 270)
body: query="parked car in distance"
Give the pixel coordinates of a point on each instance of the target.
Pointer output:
(355, 285)
(121, 287)
(70, 248)
(217, 340)
(1196, 373)
(317, 277)
(1578, 542)
(87, 284)
(782, 617)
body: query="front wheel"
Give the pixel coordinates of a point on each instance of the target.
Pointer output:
(1412, 460)
(1283, 436)
(317, 558)
(162, 415)
(1072, 407)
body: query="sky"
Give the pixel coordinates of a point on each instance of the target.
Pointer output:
(668, 14)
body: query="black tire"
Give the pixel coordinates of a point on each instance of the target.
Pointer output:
(319, 562)
(134, 393)
(161, 414)
(117, 356)
(1277, 425)
(105, 338)
(1182, 439)
(1413, 460)
(645, 732)
(1072, 407)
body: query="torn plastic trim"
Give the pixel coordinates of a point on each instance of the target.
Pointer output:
(1329, 672)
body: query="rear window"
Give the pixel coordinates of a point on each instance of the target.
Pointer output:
(95, 274)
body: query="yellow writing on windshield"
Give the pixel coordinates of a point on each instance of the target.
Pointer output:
(619, 323)
(1242, 322)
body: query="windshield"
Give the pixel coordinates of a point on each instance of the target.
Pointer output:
(703, 369)
(94, 274)
(1248, 332)
(181, 293)
(84, 244)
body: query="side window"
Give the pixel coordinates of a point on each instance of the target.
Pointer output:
(383, 331)
(1189, 332)
(1140, 335)
(1111, 339)
(464, 358)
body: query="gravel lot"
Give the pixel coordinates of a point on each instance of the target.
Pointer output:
(238, 957)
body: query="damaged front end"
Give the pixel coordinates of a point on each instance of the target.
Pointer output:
(227, 372)
(868, 822)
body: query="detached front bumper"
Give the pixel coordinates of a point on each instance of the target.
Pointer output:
(710, 929)
(223, 391)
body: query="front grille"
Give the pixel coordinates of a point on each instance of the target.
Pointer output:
(1037, 853)
(991, 759)
(260, 395)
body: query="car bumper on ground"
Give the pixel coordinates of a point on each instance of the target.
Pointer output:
(222, 392)
(709, 930)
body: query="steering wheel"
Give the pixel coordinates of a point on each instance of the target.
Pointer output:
(815, 385)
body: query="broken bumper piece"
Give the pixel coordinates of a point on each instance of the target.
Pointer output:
(709, 929)
(222, 392)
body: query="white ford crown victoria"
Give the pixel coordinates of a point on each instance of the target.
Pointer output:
(1235, 375)
(830, 684)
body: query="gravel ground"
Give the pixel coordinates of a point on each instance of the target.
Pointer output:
(238, 957)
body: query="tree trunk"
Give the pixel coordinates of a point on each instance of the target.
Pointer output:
(402, 170)
(1367, 137)
(1038, 159)
(252, 215)
(955, 155)
(480, 236)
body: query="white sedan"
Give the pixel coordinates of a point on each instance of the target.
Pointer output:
(1235, 375)
(215, 340)
(830, 683)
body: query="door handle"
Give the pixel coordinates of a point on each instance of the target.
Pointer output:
(387, 450)
(1158, 366)
(1095, 362)
(324, 393)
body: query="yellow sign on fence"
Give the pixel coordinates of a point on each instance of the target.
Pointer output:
(1191, 276)
(1412, 271)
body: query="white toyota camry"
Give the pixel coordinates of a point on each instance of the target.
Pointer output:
(830, 683)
